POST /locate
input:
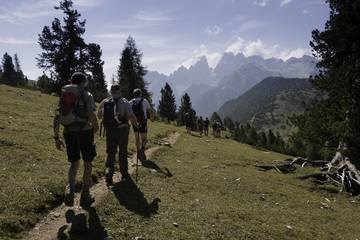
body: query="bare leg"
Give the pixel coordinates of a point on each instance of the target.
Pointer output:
(87, 173)
(73, 171)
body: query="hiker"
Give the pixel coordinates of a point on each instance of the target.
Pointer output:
(115, 111)
(216, 125)
(206, 126)
(140, 106)
(188, 122)
(78, 135)
(200, 123)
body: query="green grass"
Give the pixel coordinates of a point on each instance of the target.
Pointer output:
(204, 188)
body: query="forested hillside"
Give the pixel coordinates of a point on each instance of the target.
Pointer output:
(269, 103)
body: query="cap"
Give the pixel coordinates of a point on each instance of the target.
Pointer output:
(115, 87)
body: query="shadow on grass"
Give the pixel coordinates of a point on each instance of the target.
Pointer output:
(130, 196)
(152, 165)
(81, 227)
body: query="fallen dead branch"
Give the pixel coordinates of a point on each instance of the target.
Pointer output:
(289, 165)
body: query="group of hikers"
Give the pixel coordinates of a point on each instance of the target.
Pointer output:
(202, 125)
(76, 112)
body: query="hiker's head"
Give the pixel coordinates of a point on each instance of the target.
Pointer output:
(115, 88)
(78, 78)
(137, 92)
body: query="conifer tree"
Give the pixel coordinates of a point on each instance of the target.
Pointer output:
(130, 72)
(185, 107)
(97, 84)
(215, 117)
(167, 106)
(9, 73)
(63, 46)
(333, 123)
(19, 78)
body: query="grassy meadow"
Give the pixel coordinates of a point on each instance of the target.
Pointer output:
(199, 188)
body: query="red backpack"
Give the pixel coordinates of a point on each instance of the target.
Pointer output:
(71, 111)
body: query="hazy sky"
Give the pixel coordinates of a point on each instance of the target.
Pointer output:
(169, 33)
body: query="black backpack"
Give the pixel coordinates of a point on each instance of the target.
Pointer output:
(138, 111)
(111, 118)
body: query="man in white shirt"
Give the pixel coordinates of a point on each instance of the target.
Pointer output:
(140, 107)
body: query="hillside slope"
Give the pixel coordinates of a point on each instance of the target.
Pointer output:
(270, 102)
(197, 188)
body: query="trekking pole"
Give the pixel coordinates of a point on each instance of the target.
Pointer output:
(137, 161)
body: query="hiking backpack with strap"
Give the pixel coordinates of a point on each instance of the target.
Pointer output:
(71, 111)
(111, 117)
(138, 111)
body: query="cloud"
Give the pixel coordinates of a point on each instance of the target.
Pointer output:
(285, 2)
(251, 48)
(31, 10)
(153, 15)
(214, 31)
(261, 3)
(212, 58)
(11, 40)
(251, 25)
(307, 12)
(237, 46)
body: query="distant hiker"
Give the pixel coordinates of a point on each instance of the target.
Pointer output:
(76, 114)
(115, 111)
(188, 122)
(206, 126)
(140, 106)
(216, 126)
(200, 123)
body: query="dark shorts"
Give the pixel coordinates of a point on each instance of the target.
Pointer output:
(80, 142)
(143, 128)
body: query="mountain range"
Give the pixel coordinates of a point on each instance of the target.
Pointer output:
(209, 88)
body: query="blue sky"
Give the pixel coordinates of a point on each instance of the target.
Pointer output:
(169, 33)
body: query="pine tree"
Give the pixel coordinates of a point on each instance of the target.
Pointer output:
(185, 107)
(228, 122)
(252, 136)
(9, 73)
(97, 84)
(263, 139)
(63, 46)
(334, 122)
(130, 72)
(167, 106)
(45, 84)
(215, 117)
(271, 139)
(20, 78)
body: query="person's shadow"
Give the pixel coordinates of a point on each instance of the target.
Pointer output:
(81, 227)
(152, 165)
(130, 196)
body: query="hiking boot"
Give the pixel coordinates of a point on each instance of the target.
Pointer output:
(108, 177)
(125, 176)
(86, 199)
(69, 196)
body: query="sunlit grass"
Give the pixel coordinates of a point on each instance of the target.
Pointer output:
(199, 188)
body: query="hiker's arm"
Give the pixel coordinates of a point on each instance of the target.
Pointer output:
(151, 111)
(100, 110)
(58, 143)
(93, 120)
(133, 121)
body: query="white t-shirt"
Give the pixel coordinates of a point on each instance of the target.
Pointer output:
(145, 105)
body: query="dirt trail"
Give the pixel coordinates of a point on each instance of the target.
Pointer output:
(59, 219)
